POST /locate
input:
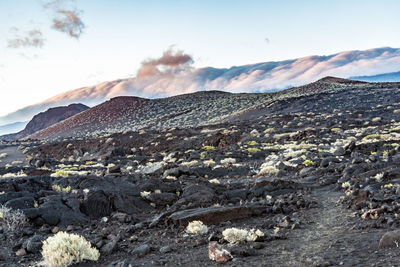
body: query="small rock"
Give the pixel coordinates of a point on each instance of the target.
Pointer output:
(20, 252)
(357, 160)
(123, 263)
(141, 250)
(152, 169)
(55, 230)
(165, 249)
(109, 247)
(390, 240)
(34, 244)
(217, 253)
(372, 214)
(114, 169)
(119, 216)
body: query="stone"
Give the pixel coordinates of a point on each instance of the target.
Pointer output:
(114, 170)
(20, 252)
(217, 253)
(34, 244)
(152, 169)
(372, 214)
(211, 215)
(123, 263)
(21, 203)
(390, 240)
(163, 199)
(97, 204)
(165, 249)
(141, 250)
(326, 161)
(109, 247)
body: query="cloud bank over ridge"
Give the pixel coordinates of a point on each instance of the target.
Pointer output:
(173, 73)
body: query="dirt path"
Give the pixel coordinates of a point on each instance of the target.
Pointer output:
(332, 238)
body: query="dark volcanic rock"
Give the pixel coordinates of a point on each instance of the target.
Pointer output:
(97, 204)
(211, 215)
(390, 240)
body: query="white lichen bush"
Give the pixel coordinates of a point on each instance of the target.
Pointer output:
(65, 249)
(379, 176)
(236, 235)
(228, 161)
(268, 170)
(196, 228)
(11, 219)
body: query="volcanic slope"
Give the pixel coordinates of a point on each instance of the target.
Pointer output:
(212, 107)
(132, 113)
(45, 119)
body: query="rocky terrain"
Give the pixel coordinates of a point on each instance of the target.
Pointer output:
(308, 177)
(46, 119)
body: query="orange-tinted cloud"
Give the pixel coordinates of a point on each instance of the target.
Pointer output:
(171, 61)
(68, 21)
(65, 17)
(32, 38)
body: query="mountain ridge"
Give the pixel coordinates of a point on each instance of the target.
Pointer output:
(258, 77)
(126, 113)
(45, 119)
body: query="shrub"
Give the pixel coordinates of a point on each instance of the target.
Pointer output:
(253, 150)
(196, 228)
(12, 219)
(268, 170)
(252, 143)
(308, 163)
(228, 161)
(208, 148)
(255, 133)
(236, 235)
(209, 162)
(65, 249)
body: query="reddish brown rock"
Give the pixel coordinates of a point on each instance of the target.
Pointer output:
(217, 253)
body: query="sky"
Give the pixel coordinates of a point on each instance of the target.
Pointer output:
(113, 38)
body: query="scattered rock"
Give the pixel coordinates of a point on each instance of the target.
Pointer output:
(390, 240)
(211, 215)
(217, 253)
(141, 250)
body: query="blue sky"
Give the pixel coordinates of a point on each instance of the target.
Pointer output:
(120, 34)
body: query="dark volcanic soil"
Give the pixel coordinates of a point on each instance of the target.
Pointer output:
(318, 174)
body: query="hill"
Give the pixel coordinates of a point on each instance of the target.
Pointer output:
(202, 108)
(46, 119)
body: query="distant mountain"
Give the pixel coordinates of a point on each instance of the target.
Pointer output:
(12, 128)
(46, 119)
(154, 81)
(385, 77)
(184, 111)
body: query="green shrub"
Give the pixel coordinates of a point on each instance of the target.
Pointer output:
(208, 148)
(253, 150)
(252, 143)
(308, 163)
